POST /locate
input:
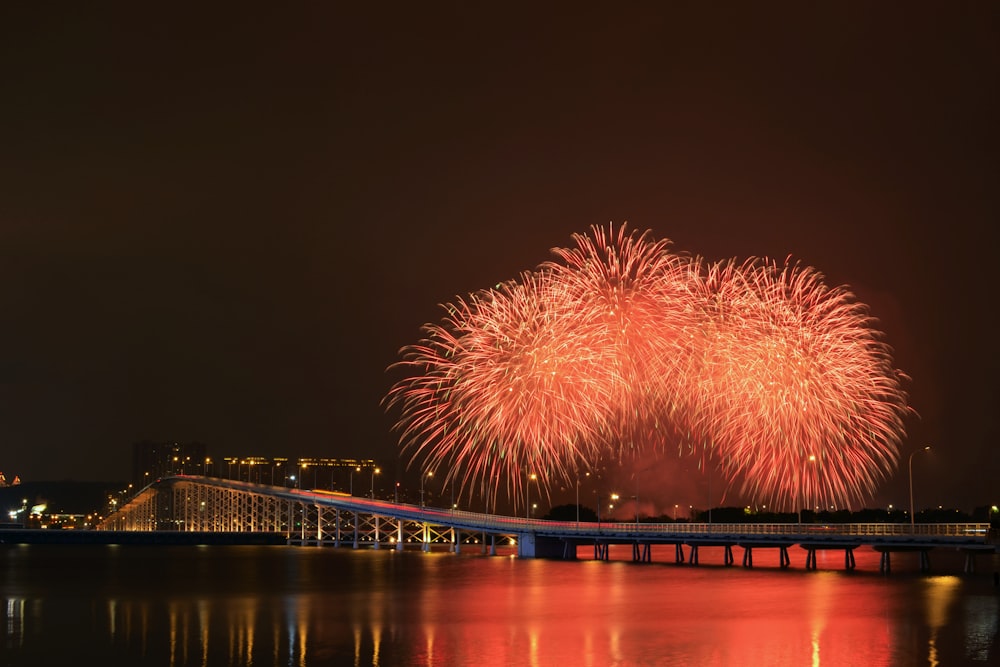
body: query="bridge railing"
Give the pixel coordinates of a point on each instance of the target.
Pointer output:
(978, 530)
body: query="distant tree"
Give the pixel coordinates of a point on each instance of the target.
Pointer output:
(568, 513)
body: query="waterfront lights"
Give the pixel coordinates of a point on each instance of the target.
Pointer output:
(912, 518)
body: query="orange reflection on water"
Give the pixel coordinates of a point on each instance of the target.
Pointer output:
(426, 610)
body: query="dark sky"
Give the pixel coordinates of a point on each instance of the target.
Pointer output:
(220, 225)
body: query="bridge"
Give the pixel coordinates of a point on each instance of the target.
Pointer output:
(200, 504)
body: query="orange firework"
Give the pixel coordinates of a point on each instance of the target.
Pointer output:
(620, 347)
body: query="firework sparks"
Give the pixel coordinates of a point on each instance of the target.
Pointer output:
(619, 346)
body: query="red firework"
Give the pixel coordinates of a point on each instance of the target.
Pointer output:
(799, 399)
(620, 346)
(509, 385)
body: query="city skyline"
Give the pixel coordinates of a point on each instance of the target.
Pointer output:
(223, 228)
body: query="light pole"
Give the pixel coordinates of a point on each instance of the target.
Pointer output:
(422, 477)
(375, 471)
(578, 500)
(527, 496)
(351, 477)
(910, 465)
(802, 499)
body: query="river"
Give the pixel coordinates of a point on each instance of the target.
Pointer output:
(296, 606)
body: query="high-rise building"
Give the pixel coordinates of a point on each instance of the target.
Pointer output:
(151, 460)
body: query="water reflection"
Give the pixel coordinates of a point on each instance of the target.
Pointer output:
(296, 607)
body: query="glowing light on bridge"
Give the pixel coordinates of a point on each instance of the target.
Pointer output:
(621, 347)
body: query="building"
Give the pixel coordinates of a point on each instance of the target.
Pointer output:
(331, 474)
(151, 460)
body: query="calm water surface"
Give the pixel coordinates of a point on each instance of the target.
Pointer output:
(276, 605)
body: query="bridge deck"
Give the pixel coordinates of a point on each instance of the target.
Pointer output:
(208, 503)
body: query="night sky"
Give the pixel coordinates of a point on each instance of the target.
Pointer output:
(221, 225)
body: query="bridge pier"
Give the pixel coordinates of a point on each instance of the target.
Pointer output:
(693, 557)
(885, 562)
(600, 550)
(642, 552)
(493, 544)
(970, 556)
(532, 545)
(748, 547)
(399, 534)
(811, 550)
(679, 552)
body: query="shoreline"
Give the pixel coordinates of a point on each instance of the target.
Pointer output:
(41, 536)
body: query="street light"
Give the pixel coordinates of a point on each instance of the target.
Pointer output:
(578, 500)
(910, 465)
(527, 495)
(375, 471)
(358, 469)
(802, 500)
(430, 473)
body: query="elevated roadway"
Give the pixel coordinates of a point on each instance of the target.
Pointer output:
(207, 504)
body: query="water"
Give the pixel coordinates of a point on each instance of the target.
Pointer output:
(277, 605)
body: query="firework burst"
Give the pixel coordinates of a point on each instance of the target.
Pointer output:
(619, 346)
(799, 397)
(508, 385)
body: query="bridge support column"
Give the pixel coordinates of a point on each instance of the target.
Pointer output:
(641, 553)
(783, 558)
(925, 560)
(456, 541)
(355, 529)
(600, 550)
(319, 525)
(849, 559)
(810, 559)
(493, 545)
(377, 539)
(399, 534)
(885, 563)
(678, 553)
(693, 557)
(729, 554)
(970, 562)
(426, 545)
(747, 556)
(336, 518)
